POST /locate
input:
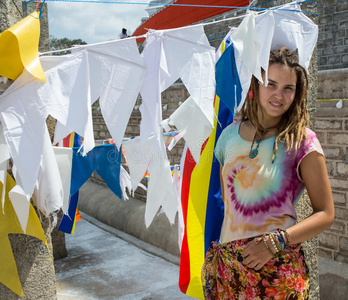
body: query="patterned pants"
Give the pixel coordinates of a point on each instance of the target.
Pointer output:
(225, 277)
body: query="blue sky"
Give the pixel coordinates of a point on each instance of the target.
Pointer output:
(93, 22)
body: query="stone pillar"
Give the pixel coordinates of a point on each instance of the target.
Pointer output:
(34, 264)
(58, 237)
(44, 42)
(10, 13)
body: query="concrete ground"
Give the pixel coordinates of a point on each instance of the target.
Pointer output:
(100, 265)
(333, 279)
(105, 263)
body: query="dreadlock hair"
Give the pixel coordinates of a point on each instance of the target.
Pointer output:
(293, 125)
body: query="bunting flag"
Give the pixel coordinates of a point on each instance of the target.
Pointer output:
(72, 140)
(19, 49)
(9, 224)
(104, 159)
(169, 55)
(67, 223)
(201, 202)
(172, 169)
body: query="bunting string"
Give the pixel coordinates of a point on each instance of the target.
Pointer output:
(199, 24)
(254, 7)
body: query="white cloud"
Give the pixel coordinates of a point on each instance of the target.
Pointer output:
(93, 22)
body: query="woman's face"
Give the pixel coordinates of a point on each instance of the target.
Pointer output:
(277, 97)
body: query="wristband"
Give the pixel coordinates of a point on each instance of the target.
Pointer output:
(265, 242)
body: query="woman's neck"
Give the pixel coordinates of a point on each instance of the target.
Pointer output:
(270, 124)
(267, 121)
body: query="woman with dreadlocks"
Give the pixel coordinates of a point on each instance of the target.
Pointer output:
(267, 159)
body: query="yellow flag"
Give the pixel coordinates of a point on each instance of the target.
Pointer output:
(9, 223)
(19, 49)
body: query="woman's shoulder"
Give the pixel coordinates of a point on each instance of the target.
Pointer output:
(311, 142)
(228, 133)
(310, 136)
(234, 126)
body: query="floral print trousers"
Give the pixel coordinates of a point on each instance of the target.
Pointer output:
(225, 277)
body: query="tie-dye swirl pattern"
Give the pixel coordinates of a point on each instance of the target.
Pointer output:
(259, 196)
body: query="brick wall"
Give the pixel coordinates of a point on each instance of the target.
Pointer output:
(332, 84)
(333, 34)
(331, 126)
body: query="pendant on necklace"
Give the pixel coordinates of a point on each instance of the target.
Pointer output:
(253, 153)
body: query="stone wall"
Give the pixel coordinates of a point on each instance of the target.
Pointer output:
(333, 34)
(331, 126)
(332, 84)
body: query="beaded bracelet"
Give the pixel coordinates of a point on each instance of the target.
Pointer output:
(281, 241)
(265, 242)
(273, 243)
(277, 241)
(286, 235)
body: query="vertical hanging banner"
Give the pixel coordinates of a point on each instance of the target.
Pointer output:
(201, 202)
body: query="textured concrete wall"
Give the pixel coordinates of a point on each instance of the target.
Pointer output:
(10, 13)
(128, 216)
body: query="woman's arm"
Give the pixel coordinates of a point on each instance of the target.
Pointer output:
(314, 175)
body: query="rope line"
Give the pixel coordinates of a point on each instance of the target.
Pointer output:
(41, 8)
(27, 2)
(37, 5)
(179, 5)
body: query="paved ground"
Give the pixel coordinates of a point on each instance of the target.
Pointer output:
(333, 279)
(100, 265)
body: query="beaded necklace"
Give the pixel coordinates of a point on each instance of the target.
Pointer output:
(253, 152)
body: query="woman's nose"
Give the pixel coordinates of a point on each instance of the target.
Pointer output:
(278, 93)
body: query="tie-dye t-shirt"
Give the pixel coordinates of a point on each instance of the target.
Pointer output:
(259, 196)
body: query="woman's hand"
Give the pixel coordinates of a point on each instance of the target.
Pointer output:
(255, 254)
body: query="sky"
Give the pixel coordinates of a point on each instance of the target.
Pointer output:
(94, 22)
